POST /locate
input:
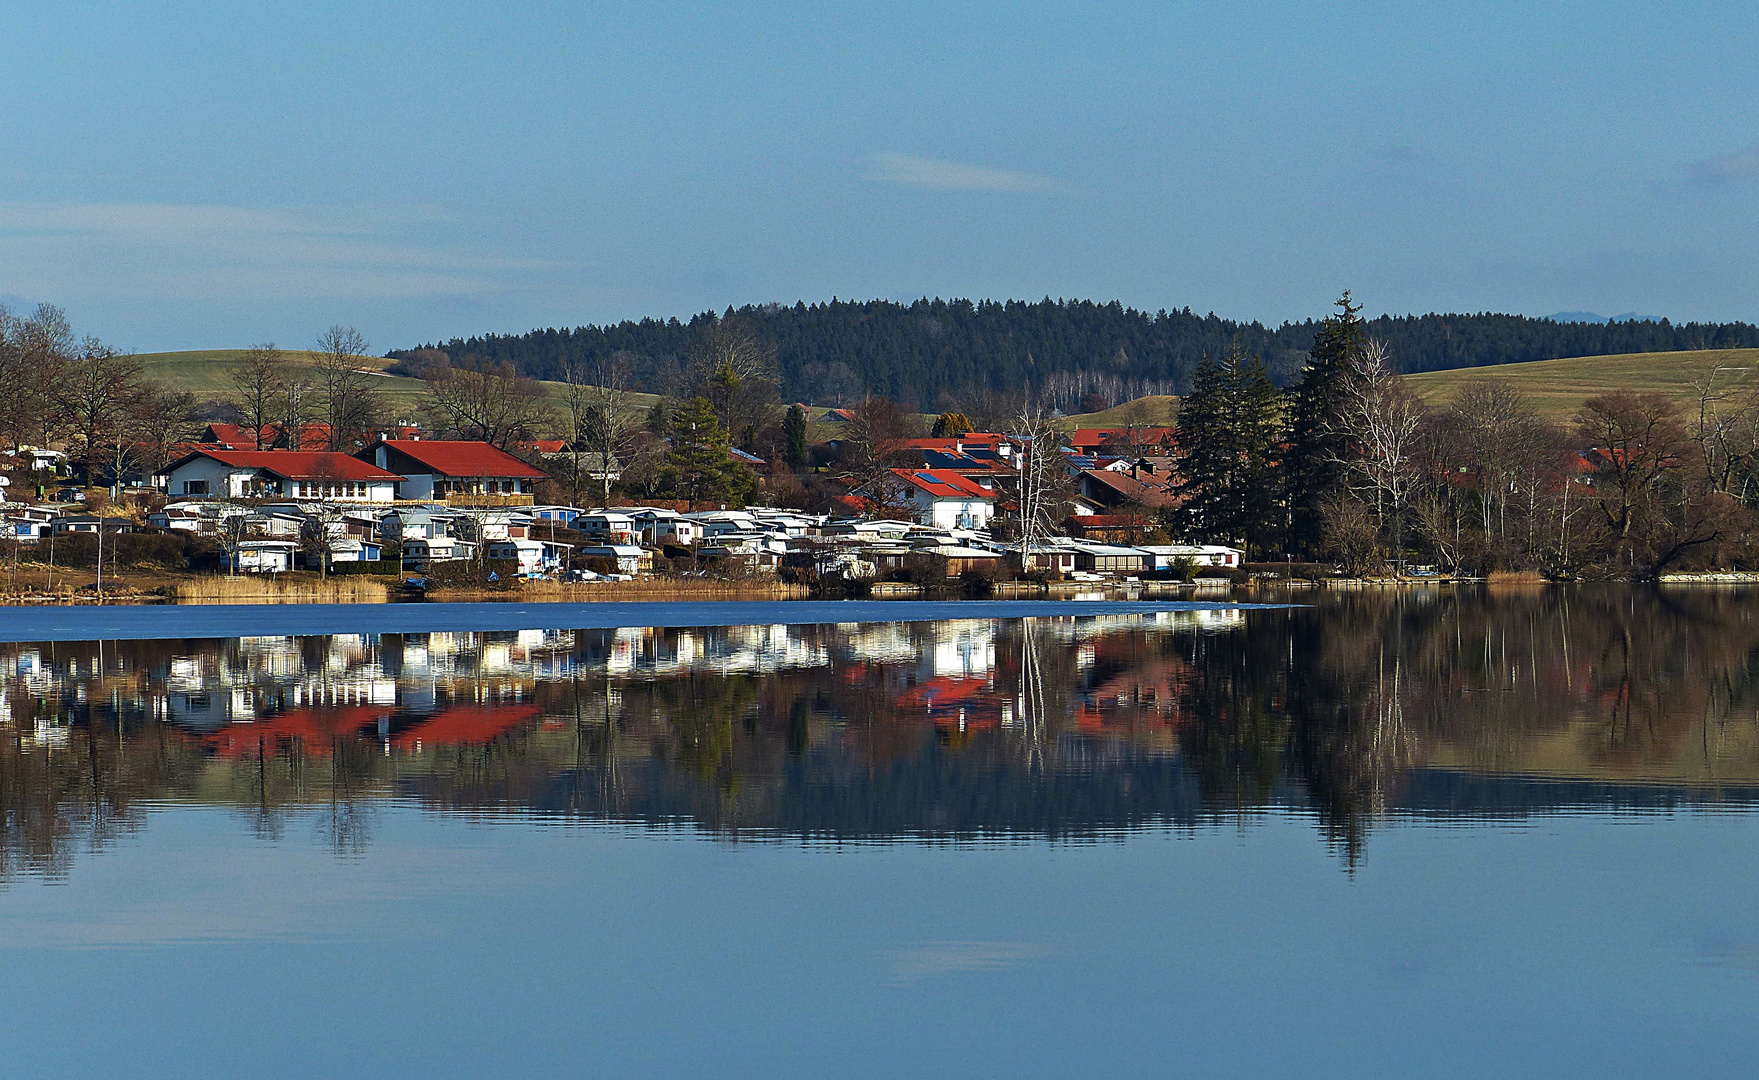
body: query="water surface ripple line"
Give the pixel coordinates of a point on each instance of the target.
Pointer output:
(170, 622)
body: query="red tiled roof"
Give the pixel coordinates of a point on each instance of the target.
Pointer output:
(545, 446)
(944, 483)
(1133, 489)
(294, 464)
(239, 437)
(458, 458)
(1145, 436)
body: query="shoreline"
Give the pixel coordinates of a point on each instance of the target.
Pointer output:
(168, 589)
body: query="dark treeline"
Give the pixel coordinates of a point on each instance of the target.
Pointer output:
(838, 351)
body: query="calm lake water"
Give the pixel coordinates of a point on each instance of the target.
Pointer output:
(1426, 834)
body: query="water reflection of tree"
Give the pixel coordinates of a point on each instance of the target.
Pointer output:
(1350, 707)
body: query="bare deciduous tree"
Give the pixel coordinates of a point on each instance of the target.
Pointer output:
(1382, 421)
(1725, 425)
(872, 440)
(257, 382)
(602, 422)
(491, 402)
(35, 352)
(163, 418)
(1043, 480)
(346, 385)
(97, 394)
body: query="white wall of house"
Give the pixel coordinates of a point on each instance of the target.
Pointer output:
(255, 557)
(530, 554)
(205, 478)
(961, 513)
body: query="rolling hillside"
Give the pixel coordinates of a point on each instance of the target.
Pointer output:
(1558, 387)
(204, 373)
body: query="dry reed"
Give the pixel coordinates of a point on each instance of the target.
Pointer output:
(274, 590)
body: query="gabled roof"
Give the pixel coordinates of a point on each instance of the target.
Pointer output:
(943, 484)
(240, 437)
(293, 464)
(459, 458)
(1143, 436)
(1131, 489)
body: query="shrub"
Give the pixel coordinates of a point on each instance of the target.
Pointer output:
(374, 566)
(468, 574)
(172, 550)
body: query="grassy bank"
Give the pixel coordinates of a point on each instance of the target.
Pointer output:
(1558, 387)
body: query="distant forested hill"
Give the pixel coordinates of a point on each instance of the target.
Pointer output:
(918, 352)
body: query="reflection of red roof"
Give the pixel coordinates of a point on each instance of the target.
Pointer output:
(294, 464)
(466, 725)
(459, 458)
(314, 727)
(952, 699)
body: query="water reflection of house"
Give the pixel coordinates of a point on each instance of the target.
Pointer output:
(464, 725)
(962, 648)
(962, 703)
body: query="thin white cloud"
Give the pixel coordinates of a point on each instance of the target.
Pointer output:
(229, 252)
(1741, 165)
(906, 170)
(932, 959)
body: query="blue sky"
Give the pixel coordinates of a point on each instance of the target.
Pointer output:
(197, 176)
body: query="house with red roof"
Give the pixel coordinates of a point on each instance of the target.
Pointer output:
(269, 437)
(1125, 441)
(443, 470)
(206, 473)
(943, 498)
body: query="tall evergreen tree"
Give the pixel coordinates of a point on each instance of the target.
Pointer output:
(1316, 444)
(1229, 426)
(794, 427)
(698, 467)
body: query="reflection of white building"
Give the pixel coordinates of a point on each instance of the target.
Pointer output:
(963, 649)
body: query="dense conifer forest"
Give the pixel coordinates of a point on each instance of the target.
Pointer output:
(917, 352)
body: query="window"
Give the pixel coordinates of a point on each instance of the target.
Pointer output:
(195, 487)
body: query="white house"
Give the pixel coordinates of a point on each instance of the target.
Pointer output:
(1165, 555)
(946, 500)
(536, 557)
(438, 469)
(279, 474)
(263, 556)
(418, 553)
(630, 559)
(610, 524)
(665, 527)
(417, 525)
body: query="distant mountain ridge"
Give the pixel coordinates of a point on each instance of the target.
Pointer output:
(921, 352)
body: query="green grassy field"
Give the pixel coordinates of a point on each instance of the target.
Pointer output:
(1159, 410)
(204, 372)
(1558, 387)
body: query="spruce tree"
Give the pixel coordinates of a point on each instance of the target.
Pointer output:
(1229, 427)
(1310, 466)
(794, 427)
(698, 467)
